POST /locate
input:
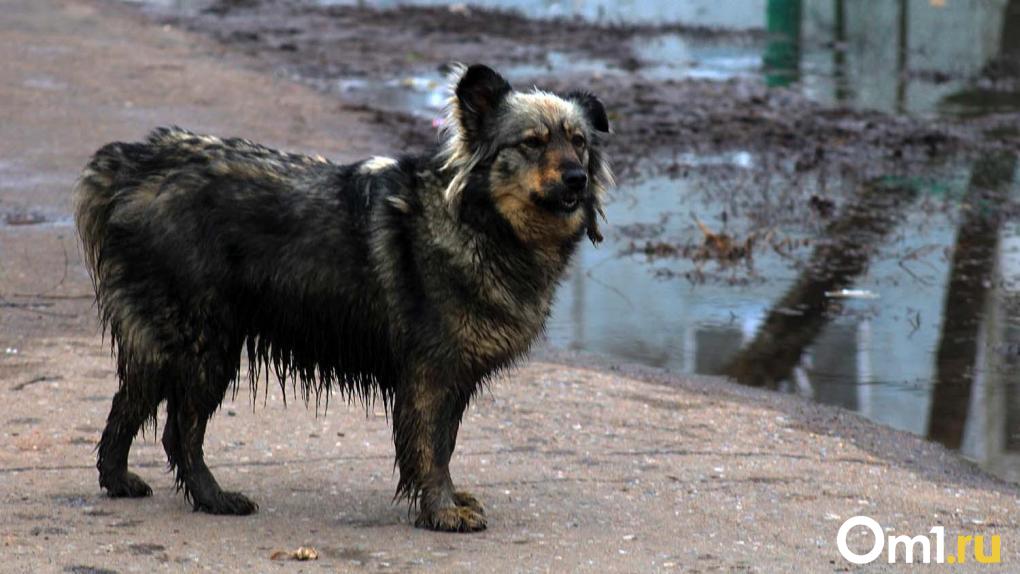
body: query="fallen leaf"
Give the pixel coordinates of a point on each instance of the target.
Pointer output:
(303, 553)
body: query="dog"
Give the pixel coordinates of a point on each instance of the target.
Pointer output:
(413, 279)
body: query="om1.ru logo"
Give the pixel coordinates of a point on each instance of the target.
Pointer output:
(918, 547)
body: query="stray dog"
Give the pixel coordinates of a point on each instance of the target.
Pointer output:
(415, 278)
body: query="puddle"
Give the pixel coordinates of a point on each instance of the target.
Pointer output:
(676, 57)
(16, 217)
(902, 350)
(424, 93)
(420, 95)
(709, 13)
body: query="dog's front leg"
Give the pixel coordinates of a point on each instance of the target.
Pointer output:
(426, 415)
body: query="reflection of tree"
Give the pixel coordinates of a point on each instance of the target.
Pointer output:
(970, 274)
(796, 320)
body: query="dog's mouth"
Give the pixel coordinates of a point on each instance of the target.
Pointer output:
(562, 202)
(569, 201)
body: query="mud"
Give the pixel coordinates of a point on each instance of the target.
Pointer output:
(653, 119)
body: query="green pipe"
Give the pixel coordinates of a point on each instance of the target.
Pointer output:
(782, 53)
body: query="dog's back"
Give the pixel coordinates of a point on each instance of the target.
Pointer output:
(185, 229)
(125, 180)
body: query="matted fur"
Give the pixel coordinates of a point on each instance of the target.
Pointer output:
(412, 279)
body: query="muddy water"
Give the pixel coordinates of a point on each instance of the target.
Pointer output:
(896, 297)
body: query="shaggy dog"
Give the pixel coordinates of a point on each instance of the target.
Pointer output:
(415, 278)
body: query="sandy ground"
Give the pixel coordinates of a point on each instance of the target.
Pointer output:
(583, 465)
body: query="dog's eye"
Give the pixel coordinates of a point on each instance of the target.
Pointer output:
(578, 141)
(533, 142)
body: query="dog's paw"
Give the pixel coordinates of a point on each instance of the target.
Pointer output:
(127, 485)
(452, 519)
(232, 503)
(468, 500)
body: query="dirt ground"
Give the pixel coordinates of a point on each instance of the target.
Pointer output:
(583, 465)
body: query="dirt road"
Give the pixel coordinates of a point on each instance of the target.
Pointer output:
(589, 468)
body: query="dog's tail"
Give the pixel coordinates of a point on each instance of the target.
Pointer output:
(99, 190)
(94, 200)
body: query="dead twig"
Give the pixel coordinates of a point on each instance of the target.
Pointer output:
(39, 379)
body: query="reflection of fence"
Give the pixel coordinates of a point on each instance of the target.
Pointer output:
(902, 55)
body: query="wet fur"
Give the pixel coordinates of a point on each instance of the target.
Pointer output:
(414, 280)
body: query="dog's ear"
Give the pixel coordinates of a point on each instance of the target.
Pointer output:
(593, 109)
(479, 92)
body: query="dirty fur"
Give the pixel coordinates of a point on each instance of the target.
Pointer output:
(412, 279)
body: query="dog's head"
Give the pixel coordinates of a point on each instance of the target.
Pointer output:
(537, 155)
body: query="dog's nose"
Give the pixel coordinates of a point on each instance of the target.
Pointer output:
(575, 179)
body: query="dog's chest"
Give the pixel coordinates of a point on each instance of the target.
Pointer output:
(501, 322)
(489, 339)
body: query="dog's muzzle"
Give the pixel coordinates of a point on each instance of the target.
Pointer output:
(575, 182)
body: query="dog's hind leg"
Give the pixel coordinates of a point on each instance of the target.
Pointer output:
(188, 413)
(131, 407)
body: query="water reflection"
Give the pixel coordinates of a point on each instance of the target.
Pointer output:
(910, 56)
(936, 354)
(902, 53)
(997, 87)
(797, 319)
(701, 12)
(966, 304)
(839, 72)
